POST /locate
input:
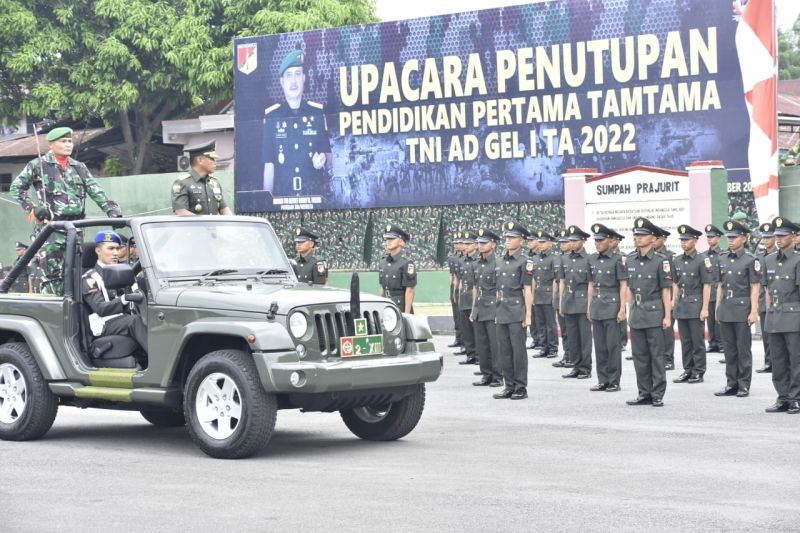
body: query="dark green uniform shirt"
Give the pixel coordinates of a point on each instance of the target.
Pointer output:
(762, 291)
(575, 268)
(545, 266)
(312, 270)
(513, 273)
(692, 272)
(647, 276)
(467, 282)
(605, 273)
(202, 195)
(737, 271)
(713, 254)
(781, 275)
(486, 283)
(395, 274)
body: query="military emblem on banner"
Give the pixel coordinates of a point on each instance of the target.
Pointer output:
(246, 57)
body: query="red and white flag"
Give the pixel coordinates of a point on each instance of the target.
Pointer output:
(757, 48)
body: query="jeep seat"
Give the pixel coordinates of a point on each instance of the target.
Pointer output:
(108, 351)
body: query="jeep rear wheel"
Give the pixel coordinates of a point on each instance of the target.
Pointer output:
(164, 418)
(386, 422)
(27, 406)
(228, 414)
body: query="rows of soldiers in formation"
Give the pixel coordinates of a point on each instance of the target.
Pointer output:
(595, 298)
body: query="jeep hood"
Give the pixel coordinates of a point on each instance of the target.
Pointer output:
(237, 297)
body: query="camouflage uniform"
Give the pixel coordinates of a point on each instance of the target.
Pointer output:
(65, 193)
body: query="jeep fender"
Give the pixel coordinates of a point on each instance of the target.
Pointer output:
(269, 336)
(416, 328)
(37, 342)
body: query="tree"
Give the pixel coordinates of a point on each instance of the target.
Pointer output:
(135, 63)
(789, 52)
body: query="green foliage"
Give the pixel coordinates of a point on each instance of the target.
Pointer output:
(135, 63)
(789, 52)
(112, 166)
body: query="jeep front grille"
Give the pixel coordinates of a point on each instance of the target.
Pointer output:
(330, 327)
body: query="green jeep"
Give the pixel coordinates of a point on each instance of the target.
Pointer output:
(232, 338)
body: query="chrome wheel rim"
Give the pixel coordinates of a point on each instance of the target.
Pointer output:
(218, 406)
(13, 393)
(371, 414)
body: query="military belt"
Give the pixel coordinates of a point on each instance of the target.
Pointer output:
(70, 217)
(637, 300)
(729, 294)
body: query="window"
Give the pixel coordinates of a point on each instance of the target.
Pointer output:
(5, 182)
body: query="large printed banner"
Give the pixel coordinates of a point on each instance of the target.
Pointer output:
(485, 106)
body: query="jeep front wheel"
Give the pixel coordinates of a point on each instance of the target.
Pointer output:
(228, 414)
(27, 406)
(386, 422)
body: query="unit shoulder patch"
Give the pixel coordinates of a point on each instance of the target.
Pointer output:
(757, 266)
(666, 266)
(410, 268)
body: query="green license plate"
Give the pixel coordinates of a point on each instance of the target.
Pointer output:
(357, 346)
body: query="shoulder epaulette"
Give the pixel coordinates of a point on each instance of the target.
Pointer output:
(315, 104)
(271, 108)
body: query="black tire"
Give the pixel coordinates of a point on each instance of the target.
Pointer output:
(41, 405)
(258, 409)
(164, 418)
(389, 422)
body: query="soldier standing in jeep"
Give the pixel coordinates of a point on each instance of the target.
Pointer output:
(61, 184)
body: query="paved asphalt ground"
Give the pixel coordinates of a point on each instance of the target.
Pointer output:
(566, 459)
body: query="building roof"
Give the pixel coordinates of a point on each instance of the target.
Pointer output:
(25, 145)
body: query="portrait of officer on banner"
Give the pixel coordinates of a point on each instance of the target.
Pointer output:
(296, 149)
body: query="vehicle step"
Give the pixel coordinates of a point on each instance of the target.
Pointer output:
(115, 378)
(104, 393)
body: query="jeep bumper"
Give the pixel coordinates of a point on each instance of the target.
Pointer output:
(281, 376)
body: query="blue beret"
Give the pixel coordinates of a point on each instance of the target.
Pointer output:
(107, 236)
(293, 59)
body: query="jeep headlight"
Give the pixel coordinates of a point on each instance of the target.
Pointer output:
(391, 319)
(298, 324)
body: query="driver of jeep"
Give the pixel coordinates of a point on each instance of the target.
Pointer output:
(112, 314)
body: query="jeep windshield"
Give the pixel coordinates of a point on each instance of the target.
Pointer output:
(214, 249)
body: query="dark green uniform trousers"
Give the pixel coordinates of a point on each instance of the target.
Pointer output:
(580, 341)
(669, 344)
(786, 365)
(512, 355)
(607, 350)
(693, 346)
(486, 345)
(456, 319)
(467, 334)
(647, 347)
(762, 318)
(737, 343)
(562, 324)
(545, 317)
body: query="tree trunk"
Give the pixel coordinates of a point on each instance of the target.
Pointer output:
(137, 135)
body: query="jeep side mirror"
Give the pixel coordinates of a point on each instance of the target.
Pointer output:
(118, 276)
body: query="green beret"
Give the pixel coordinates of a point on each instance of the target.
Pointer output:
(293, 59)
(739, 216)
(57, 133)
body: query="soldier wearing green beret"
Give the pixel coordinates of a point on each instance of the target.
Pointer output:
(61, 185)
(199, 192)
(296, 148)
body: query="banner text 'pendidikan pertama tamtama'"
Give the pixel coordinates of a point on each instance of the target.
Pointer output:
(486, 106)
